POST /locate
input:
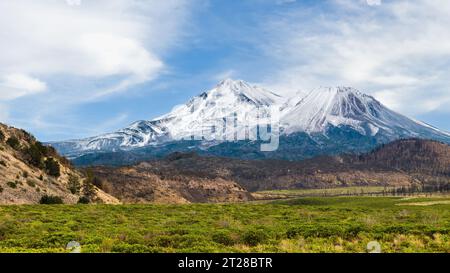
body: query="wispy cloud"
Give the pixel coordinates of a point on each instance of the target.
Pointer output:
(224, 75)
(17, 85)
(397, 50)
(96, 39)
(64, 53)
(73, 2)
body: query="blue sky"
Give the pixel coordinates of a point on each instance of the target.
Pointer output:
(71, 69)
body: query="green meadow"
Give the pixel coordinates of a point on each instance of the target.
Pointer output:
(309, 224)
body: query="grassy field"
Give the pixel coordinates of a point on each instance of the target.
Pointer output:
(342, 191)
(312, 224)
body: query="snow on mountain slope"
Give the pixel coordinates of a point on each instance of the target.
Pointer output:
(345, 106)
(293, 100)
(138, 134)
(227, 100)
(313, 112)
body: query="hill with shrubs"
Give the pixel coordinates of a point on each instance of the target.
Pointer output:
(32, 173)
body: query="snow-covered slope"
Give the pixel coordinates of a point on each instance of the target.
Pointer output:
(138, 134)
(345, 106)
(314, 112)
(228, 99)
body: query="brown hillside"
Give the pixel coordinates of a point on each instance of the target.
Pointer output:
(141, 184)
(412, 155)
(30, 170)
(401, 163)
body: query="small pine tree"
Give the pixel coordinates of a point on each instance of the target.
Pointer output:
(74, 184)
(13, 142)
(52, 167)
(36, 153)
(88, 189)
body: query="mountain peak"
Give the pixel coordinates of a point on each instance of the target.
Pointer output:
(233, 84)
(243, 91)
(340, 90)
(338, 106)
(347, 106)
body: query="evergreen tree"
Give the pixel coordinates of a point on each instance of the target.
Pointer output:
(52, 167)
(74, 184)
(13, 142)
(88, 188)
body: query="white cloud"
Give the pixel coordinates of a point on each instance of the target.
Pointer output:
(101, 40)
(13, 86)
(73, 2)
(373, 2)
(57, 55)
(400, 51)
(227, 74)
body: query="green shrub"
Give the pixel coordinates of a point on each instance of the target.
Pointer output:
(2, 136)
(1, 189)
(36, 153)
(88, 189)
(52, 167)
(322, 231)
(254, 237)
(168, 240)
(74, 185)
(31, 183)
(35, 157)
(97, 182)
(83, 200)
(12, 184)
(2, 162)
(292, 232)
(51, 200)
(223, 238)
(352, 231)
(132, 248)
(13, 142)
(25, 174)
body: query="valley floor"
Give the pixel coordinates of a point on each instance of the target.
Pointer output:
(308, 224)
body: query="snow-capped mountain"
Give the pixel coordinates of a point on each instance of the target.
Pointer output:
(229, 98)
(312, 113)
(345, 106)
